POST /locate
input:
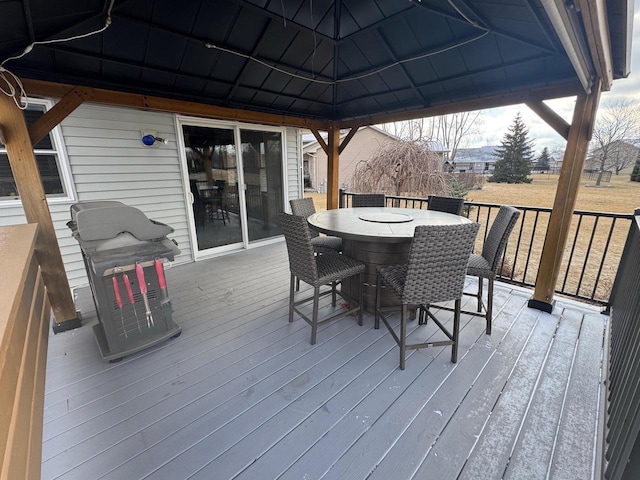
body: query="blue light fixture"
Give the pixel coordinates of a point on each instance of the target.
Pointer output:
(149, 140)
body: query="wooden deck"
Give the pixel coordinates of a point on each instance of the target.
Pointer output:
(242, 394)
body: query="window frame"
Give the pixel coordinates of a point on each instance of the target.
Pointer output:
(59, 152)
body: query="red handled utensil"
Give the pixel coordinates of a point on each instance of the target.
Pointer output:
(116, 291)
(142, 284)
(127, 285)
(161, 280)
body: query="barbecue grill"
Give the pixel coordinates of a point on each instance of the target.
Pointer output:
(123, 253)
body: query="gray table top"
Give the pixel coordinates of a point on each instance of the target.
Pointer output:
(379, 224)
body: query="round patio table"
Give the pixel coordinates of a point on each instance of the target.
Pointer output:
(376, 236)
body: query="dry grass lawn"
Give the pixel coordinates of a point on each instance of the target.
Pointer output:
(618, 196)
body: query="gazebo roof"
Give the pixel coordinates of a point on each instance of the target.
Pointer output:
(347, 60)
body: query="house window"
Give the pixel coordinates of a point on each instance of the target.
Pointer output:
(50, 158)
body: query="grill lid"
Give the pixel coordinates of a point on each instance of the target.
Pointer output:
(104, 220)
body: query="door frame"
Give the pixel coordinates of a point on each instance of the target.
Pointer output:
(180, 121)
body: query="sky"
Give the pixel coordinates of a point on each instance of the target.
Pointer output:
(500, 119)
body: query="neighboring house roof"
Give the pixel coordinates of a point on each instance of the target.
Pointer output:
(477, 154)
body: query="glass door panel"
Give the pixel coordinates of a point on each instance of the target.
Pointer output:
(213, 180)
(262, 173)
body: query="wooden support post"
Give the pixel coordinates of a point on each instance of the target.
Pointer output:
(27, 178)
(333, 167)
(566, 193)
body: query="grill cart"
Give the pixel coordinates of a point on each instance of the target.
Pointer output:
(123, 253)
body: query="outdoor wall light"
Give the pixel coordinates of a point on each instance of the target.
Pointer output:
(150, 139)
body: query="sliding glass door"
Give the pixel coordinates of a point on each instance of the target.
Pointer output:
(262, 173)
(236, 184)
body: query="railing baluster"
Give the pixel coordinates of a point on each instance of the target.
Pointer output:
(515, 256)
(604, 255)
(533, 234)
(483, 215)
(573, 249)
(587, 254)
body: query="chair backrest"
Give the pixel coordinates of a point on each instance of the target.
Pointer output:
(496, 240)
(302, 207)
(302, 262)
(368, 200)
(438, 261)
(445, 204)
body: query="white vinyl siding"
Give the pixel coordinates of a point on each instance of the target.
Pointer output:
(294, 163)
(108, 161)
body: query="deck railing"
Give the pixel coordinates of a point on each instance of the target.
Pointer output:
(24, 327)
(623, 423)
(589, 263)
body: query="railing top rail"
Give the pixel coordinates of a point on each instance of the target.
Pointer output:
(627, 216)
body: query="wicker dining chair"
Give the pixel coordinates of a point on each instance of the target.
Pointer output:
(485, 265)
(435, 272)
(304, 207)
(445, 204)
(368, 200)
(317, 271)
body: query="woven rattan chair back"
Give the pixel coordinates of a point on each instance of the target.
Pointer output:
(496, 241)
(438, 261)
(445, 204)
(303, 207)
(297, 235)
(368, 200)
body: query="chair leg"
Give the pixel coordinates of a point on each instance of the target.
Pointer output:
(314, 318)
(297, 284)
(291, 297)
(480, 285)
(376, 323)
(489, 306)
(456, 331)
(403, 335)
(360, 299)
(333, 293)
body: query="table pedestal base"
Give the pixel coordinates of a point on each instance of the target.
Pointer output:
(373, 254)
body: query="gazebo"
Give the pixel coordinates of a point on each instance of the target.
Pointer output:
(321, 65)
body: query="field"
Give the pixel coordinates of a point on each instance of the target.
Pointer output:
(618, 196)
(584, 271)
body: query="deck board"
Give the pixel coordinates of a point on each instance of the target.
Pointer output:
(242, 394)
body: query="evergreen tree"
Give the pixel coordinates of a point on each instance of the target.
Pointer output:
(635, 175)
(514, 155)
(544, 161)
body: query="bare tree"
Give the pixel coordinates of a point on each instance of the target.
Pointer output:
(451, 130)
(447, 131)
(616, 124)
(402, 168)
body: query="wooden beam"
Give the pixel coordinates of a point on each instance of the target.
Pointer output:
(333, 167)
(566, 193)
(61, 110)
(569, 89)
(552, 119)
(320, 140)
(27, 178)
(347, 139)
(158, 104)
